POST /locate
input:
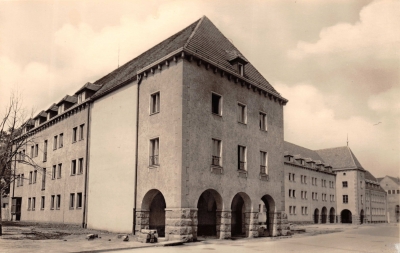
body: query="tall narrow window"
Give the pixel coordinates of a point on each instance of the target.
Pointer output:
(155, 103)
(34, 177)
(42, 203)
(154, 151)
(74, 134)
(263, 162)
(216, 152)
(73, 167)
(22, 180)
(241, 158)
(242, 113)
(61, 140)
(29, 204)
(36, 150)
(263, 121)
(52, 202)
(32, 151)
(45, 151)
(44, 179)
(53, 172)
(216, 107)
(79, 200)
(71, 201)
(345, 199)
(55, 142)
(33, 203)
(241, 69)
(81, 131)
(59, 170)
(30, 177)
(80, 166)
(58, 202)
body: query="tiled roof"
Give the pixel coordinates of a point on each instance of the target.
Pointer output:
(129, 70)
(201, 38)
(294, 149)
(369, 176)
(41, 114)
(88, 86)
(53, 107)
(394, 179)
(68, 98)
(340, 158)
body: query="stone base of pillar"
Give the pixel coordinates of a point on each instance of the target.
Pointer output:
(355, 219)
(280, 225)
(142, 220)
(181, 224)
(251, 224)
(224, 224)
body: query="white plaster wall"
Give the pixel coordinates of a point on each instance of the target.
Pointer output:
(112, 160)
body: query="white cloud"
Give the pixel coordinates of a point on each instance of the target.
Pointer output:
(375, 34)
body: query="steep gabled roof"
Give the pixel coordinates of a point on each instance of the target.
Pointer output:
(201, 38)
(294, 149)
(340, 158)
(394, 179)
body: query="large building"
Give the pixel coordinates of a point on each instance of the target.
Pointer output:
(392, 187)
(186, 138)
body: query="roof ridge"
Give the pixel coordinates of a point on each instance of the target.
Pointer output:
(194, 31)
(351, 155)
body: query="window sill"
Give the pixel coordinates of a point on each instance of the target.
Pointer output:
(78, 208)
(264, 130)
(43, 189)
(153, 113)
(215, 114)
(242, 123)
(216, 169)
(264, 177)
(71, 208)
(242, 173)
(154, 166)
(73, 142)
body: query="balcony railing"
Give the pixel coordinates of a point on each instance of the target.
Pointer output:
(262, 169)
(242, 165)
(216, 160)
(154, 160)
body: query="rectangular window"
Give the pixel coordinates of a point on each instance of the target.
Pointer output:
(22, 180)
(263, 162)
(79, 200)
(241, 158)
(290, 176)
(305, 194)
(73, 167)
(361, 184)
(36, 150)
(155, 103)
(290, 193)
(59, 170)
(306, 210)
(61, 140)
(301, 178)
(29, 204)
(80, 98)
(216, 107)
(42, 203)
(74, 134)
(44, 179)
(80, 166)
(32, 151)
(33, 203)
(362, 200)
(55, 142)
(290, 209)
(81, 131)
(344, 183)
(294, 193)
(58, 202)
(345, 199)
(45, 151)
(240, 69)
(305, 179)
(154, 151)
(294, 209)
(53, 172)
(71, 201)
(302, 194)
(216, 152)
(293, 177)
(34, 177)
(263, 121)
(242, 113)
(52, 202)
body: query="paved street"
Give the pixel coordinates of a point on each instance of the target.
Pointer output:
(366, 238)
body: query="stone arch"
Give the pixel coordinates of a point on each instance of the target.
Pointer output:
(240, 210)
(316, 215)
(324, 214)
(397, 212)
(153, 208)
(266, 215)
(332, 215)
(209, 207)
(345, 216)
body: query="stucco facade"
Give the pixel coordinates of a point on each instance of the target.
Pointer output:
(392, 187)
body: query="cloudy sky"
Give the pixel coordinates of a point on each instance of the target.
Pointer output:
(337, 61)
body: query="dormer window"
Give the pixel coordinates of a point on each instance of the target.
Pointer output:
(61, 109)
(80, 98)
(241, 69)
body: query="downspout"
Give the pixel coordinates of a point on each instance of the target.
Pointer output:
(84, 216)
(15, 168)
(139, 78)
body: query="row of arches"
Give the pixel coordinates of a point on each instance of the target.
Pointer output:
(209, 208)
(324, 215)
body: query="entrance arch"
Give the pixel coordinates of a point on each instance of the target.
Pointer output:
(316, 215)
(266, 215)
(332, 215)
(240, 204)
(362, 216)
(345, 216)
(324, 215)
(210, 201)
(397, 210)
(154, 204)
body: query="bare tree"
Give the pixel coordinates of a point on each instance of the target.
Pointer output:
(13, 138)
